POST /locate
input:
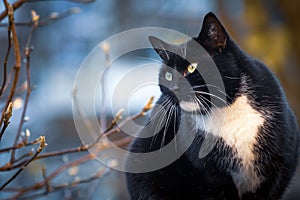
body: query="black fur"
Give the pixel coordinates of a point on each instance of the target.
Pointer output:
(189, 177)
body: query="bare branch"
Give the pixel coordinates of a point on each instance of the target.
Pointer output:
(15, 6)
(53, 17)
(19, 3)
(5, 62)
(74, 1)
(35, 22)
(98, 148)
(19, 163)
(45, 183)
(6, 119)
(38, 151)
(17, 53)
(20, 145)
(106, 50)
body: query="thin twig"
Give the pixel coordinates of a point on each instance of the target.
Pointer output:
(24, 156)
(74, 1)
(15, 6)
(22, 162)
(83, 148)
(35, 20)
(5, 62)
(38, 151)
(39, 185)
(51, 19)
(19, 3)
(47, 186)
(6, 118)
(9, 166)
(17, 53)
(101, 173)
(20, 145)
(55, 173)
(106, 50)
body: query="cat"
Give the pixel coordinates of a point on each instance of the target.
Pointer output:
(254, 133)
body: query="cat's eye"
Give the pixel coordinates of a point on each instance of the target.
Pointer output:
(192, 67)
(168, 76)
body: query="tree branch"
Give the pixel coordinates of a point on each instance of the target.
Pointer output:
(39, 150)
(17, 66)
(26, 157)
(5, 62)
(35, 20)
(15, 6)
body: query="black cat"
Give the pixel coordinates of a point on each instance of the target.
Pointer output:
(239, 142)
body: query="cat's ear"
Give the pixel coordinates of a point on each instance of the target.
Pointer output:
(161, 47)
(213, 35)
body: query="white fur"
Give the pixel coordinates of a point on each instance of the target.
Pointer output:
(189, 106)
(238, 126)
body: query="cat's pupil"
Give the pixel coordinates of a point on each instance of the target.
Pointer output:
(168, 76)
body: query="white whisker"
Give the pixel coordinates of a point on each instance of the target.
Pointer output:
(166, 127)
(151, 59)
(174, 127)
(213, 95)
(198, 102)
(204, 109)
(159, 120)
(214, 86)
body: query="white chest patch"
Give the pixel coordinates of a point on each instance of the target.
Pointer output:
(238, 126)
(189, 106)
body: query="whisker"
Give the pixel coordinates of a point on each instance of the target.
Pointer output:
(233, 78)
(204, 109)
(204, 99)
(209, 113)
(213, 95)
(163, 48)
(174, 127)
(218, 89)
(162, 108)
(185, 49)
(151, 59)
(165, 106)
(198, 102)
(166, 127)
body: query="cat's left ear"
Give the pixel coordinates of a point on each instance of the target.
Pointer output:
(213, 35)
(161, 47)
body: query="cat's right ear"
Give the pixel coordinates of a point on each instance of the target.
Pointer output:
(161, 47)
(213, 35)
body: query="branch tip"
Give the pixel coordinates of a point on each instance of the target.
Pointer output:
(119, 115)
(43, 143)
(105, 46)
(148, 105)
(35, 18)
(7, 115)
(27, 133)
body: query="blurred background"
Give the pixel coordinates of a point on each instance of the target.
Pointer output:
(268, 30)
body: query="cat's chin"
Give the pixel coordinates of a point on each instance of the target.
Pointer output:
(189, 106)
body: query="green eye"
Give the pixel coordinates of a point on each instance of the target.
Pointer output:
(168, 76)
(192, 67)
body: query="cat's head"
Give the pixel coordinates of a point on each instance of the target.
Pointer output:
(200, 73)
